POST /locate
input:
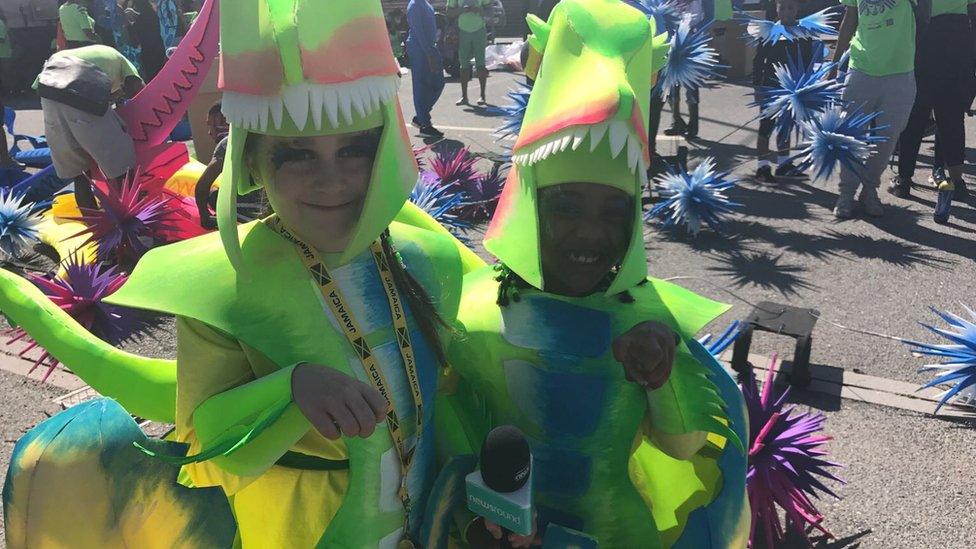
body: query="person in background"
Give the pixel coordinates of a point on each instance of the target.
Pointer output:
(144, 32)
(692, 12)
(218, 128)
(77, 88)
(78, 27)
(6, 52)
(881, 39)
(767, 58)
(170, 15)
(426, 64)
(472, 41)
(944, 72)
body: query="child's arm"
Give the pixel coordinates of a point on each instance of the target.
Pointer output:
(202, 193)
(220, 403)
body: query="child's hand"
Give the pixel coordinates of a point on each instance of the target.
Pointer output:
(335, 403)
(647, 353)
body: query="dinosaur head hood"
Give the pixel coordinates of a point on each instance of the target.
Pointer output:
(586, 121)
(309, 68)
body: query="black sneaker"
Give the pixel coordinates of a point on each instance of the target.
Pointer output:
(788, 170)
(691, 131)
(416, 122)
(678, 128)
(765, 175)
(902, 188)
(961, 194)
(431, 131)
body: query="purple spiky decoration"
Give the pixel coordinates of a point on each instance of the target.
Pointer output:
(787, 463)
(128, 220)
(80, 291)
(959, 369)
(451, 168)
(481, 197)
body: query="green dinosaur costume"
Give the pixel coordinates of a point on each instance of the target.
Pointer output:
(543, 362)
(248, 310)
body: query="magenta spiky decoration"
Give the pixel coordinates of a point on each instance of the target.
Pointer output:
(127, 222)
(452, 168)
(787, 463)
(79, 291)
(481, 196)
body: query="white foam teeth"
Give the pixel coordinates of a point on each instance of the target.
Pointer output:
(337, 101)
(619, 133)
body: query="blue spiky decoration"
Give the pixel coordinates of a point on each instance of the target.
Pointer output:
(666, 13)
(19, 224)
(691, 198)
(817, 26)
(514, 112)
(838, 136)
(959, 368)
(441, 202)
(718, 345)
(804, 91)
(692, 61)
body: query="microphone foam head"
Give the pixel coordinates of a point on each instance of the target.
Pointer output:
(505, 459)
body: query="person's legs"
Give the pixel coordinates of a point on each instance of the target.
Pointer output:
(654, 124)
(678, 125)
(465, 53)
(897, 96)
(481, 42)
(910, 141)
(419, 77)
(694, 98)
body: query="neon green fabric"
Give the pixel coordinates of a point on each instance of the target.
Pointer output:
(248, 427)
(75, 23)
(279, 77)
(468, 21)
(471, 45)
(884, 43)
(145, 387)
(944, 7)
(115, 65)
(723, 10)
(591, 94)
(520, 365)
(6, 49)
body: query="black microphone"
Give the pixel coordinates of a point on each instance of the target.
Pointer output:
(502, 490)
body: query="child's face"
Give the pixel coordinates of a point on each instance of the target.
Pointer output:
(317, 185)
(217, 126)
(585, 230)
(787, 11)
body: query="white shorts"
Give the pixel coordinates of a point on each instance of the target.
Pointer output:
(77, 137)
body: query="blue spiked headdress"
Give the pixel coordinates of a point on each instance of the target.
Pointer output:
(838, 136)
(817, 26)
(959, 367)
(693, 198)
(804, 91)
(666, 13)
(692, 61)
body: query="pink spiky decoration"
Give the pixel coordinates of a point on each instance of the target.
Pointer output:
(80, 292)
(128, 217)
(787, 460)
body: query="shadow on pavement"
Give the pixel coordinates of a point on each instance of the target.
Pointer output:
(762, 269)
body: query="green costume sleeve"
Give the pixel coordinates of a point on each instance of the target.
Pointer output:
(415, 216)
(243, 423)
(688, 403)
(145, 387)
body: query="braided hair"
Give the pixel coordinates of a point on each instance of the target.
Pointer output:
(510, 286)
(424, 311)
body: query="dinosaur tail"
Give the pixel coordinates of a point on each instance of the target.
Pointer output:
(144, 387)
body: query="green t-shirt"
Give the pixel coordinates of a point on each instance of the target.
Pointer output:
(469, 21)
(112, 63)
(75, 23)
(944, 7)
(884, 43)
(6, 51)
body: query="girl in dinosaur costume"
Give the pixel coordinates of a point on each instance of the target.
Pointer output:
(624, 454)
(318, 322)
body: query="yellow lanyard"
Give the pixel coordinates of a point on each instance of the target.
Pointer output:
(343, 315)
